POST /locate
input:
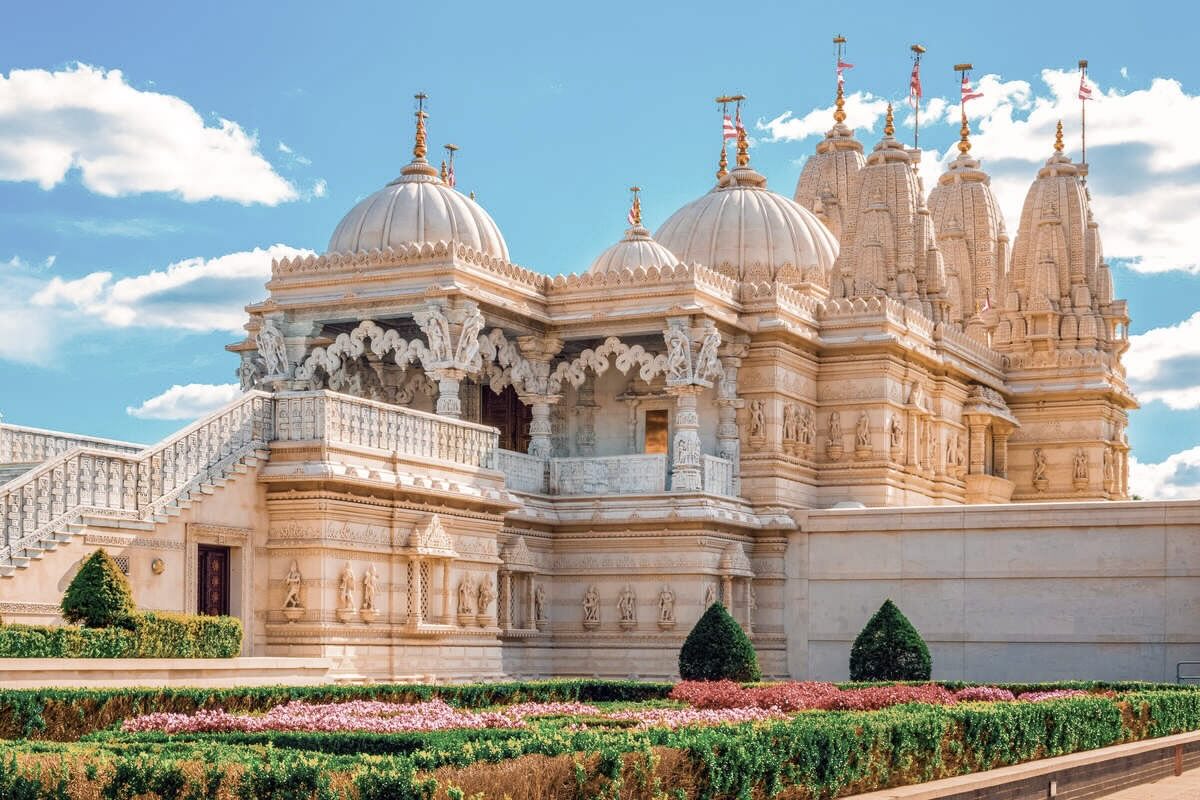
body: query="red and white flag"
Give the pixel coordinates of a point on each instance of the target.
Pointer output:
(450, 174)
(914, 84)
(842, 66)
(630, 218)
(967, 93)
(1085, 91)
(741, 130)
(730, 131)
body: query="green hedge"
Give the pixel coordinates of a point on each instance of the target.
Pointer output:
(150, 635)
(825, 755)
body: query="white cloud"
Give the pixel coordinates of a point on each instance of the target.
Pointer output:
(186, 402)
(1125, 72)
(863, 110)
(1175, 478)
(123, 140)
(195, 294)
(1164, 364)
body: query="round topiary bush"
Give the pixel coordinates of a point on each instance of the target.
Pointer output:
(889, 649)
(99, 596)
(718, 649)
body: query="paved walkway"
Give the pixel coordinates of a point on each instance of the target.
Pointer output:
(1185, 787)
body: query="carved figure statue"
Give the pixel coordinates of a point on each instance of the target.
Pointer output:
(1039, 464)
(758, 419)
(708, 365)
(678, 354)
(486, 595)
(952, 450)
(862, 431)
(591, 605)
(292, 581)
(791, 423)
(835, 428)
(539, 602)
(468, 338)
(666, 605)
(370, 583)
(808, 428)
(627, 604)
(466, 596)
(249, 372)
(271, 347)
(896, 432)
(962, 450)
(1080, 465)
(437, 332)
(346, 588)
(710, 595)
(1110, 472)
(916, 395)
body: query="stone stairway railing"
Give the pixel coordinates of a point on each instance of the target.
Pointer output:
(342, 419)
(38, 509)
(21, 445)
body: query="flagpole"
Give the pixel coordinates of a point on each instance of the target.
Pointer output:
(723, 101)
(1083, 64)
(918, 51)
(964, 144)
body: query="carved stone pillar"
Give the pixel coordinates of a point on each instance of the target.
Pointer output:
(447, 616)
(540, 428)
(530, 609)
(535, 391)
(727, 592)
(977, 425)
(504, 602)
(414, 592)
(750, 606)
(585, 412)
(448, 381)
(1000, 434)
(729, 441)
(686, 474)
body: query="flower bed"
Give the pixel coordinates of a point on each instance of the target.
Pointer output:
(811, 695)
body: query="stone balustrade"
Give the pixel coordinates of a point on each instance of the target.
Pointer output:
(523, 472)
(718, 476)
(629, 474)
(21, 445)
(343, 419)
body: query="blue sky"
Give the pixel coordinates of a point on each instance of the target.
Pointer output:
(250, 125)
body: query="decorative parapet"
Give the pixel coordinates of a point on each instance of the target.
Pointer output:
(630, 474)
(718, 476)
(694, 274)
(22, 445)
(955, 338)
(523, 472)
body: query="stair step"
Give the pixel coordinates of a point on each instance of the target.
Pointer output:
(124, 524)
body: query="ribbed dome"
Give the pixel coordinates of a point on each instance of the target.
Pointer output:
(751, 234)
(637, 249)
(417, 207)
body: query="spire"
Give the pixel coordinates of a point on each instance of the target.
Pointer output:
(964, 136)
(419, 145)
(1058, 138)
(635, 210)
(839, 113)
(442, 173)
(723, 163)
(889, 123)
(743, 147)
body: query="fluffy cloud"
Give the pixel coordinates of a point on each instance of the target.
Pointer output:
(123, 140)
(1144, 181)
(186, 402)
(196, 294)
(1164, 364)
(1177, 477)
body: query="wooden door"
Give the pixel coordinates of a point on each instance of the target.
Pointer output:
(213, 580)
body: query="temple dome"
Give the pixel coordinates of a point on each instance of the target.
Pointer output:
(637, 249)
(417, 207)
(749, 233)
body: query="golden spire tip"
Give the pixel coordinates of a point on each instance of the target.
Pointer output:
(964, 134)
(889, 123)
(1058, 138)
(419, 149)
(722, 164)
(743, 143)
(635, 212)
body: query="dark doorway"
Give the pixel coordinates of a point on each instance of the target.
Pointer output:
(509, 414)
(213, 588)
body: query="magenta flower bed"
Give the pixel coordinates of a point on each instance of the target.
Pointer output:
(813, 695)
(693, 717)
(1057, 694)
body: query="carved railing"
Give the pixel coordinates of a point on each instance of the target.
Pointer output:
(523, 472)
(139, 485)
(21, 445)
(718, 476)
(343, 419)
(630, 474)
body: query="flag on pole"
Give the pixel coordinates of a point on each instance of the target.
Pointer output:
(914, 84)
(630, 218)
(1085, 91)
(450, 174)
(730, 131)
(841, 67)
(741, 130)
(967, 93)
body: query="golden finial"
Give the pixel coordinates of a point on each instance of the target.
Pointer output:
(443, 173)
(635, 212)
(743, 145)
(419, 146)
(722, 164)
(964, 136)
(839, 112)
(889, 123)
(1058, 139)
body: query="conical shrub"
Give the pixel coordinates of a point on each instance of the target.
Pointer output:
(889, 649)
(99, 596)
(718, 649)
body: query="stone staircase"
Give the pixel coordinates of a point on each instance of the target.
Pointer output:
(88, 486)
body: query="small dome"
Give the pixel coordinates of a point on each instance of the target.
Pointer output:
(417, 207)
(747, 232)
(637, 249)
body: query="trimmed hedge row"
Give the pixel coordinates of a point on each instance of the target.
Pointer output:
(146, 635)
(826, 754)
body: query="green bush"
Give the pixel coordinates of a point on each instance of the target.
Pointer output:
(99, 596)
(889, 649)
(149, 635)
(718, 649)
